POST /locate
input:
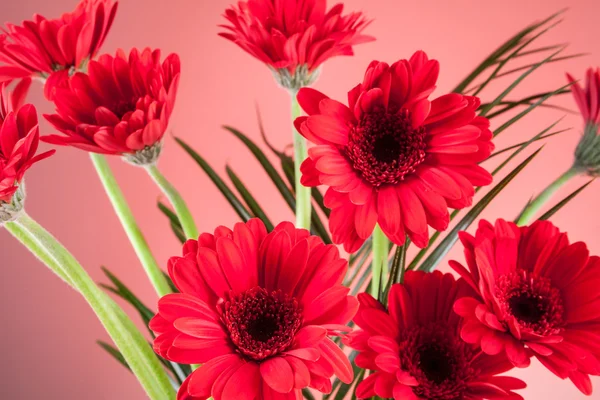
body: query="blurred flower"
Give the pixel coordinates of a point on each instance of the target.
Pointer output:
(256, 310)
(587, 153)
(536, 295)
(54, 48)
(122, 106)
(414, 348)
(393, 157)
(19, 138)
(294, 37)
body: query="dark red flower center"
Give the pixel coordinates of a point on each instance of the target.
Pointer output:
(532, 301)
(439, 360)
(384, 148)
(261, 323)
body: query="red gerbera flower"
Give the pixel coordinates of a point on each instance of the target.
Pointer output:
(294, 37)
(393, 157)
(587, 154)
(414, 349)
(588, 97)
(256, 310)
(19, 138)
(536, 295)
(122, 106)
(54, 48)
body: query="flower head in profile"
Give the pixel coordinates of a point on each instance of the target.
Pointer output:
(587, 154)
(414, 349)
(55, 48)
(122, 106)
(257, 310)
(537, 295)
(392, 156)
(19, 138)
(294, 37)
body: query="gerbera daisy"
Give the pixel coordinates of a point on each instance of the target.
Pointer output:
(536, 295)
(587, 154)
(122, 106)
(392, 156)
(414, 349)
(19, 138)
(294, 37)
(54, 48)
(257, 309)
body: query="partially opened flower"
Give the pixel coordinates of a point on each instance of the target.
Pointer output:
(257, 310)
(587, 154)
(54, 48)
(537, 295)
(294, 37)
(392, 156)
(414, 349)
(122, 106)
(19, 138)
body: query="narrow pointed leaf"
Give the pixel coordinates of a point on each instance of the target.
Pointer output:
(564, 202)
(126, 294)
(495, 57)
(527, 101)
(444, 247)
(497, 153)
(528, 110)
(267, 166)
(114, 352)
(514, 84)
(248, 198)
(173, 221)
(237, 205)
(307, 394)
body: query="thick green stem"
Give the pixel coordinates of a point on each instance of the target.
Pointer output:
(303, 195)
(130, 225)
(536, 204)
(132, 344)
(379, 262)
(182, 210)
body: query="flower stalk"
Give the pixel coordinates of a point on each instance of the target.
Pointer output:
(182, 210)
(303, 195)
(132, 344)
(537, 203)
(379, 262)
(130, 226)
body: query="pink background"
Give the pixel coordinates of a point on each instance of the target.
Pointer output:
(48, 332)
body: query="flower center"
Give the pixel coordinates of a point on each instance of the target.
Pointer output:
(439, 360)
(532, 301)
(436, 363)
(384, 148)
(261, 323)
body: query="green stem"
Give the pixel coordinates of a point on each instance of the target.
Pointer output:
(129, 224)
(379, 264)
(183, 212)
(303, 195)
(132, 344)
(536, 204)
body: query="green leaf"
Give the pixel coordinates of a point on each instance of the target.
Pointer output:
(444, 247)
(397, 270)
(527, 101)
(173, 222)
(307, 394)
(123, 291)
(497, 153)
(529, 109)
(285, 191)
(564, 202)
(495, 57)
(248, 198)
(237, 205)
(514, 84)
(114, 352)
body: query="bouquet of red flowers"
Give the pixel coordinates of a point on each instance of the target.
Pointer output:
(330, 305)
